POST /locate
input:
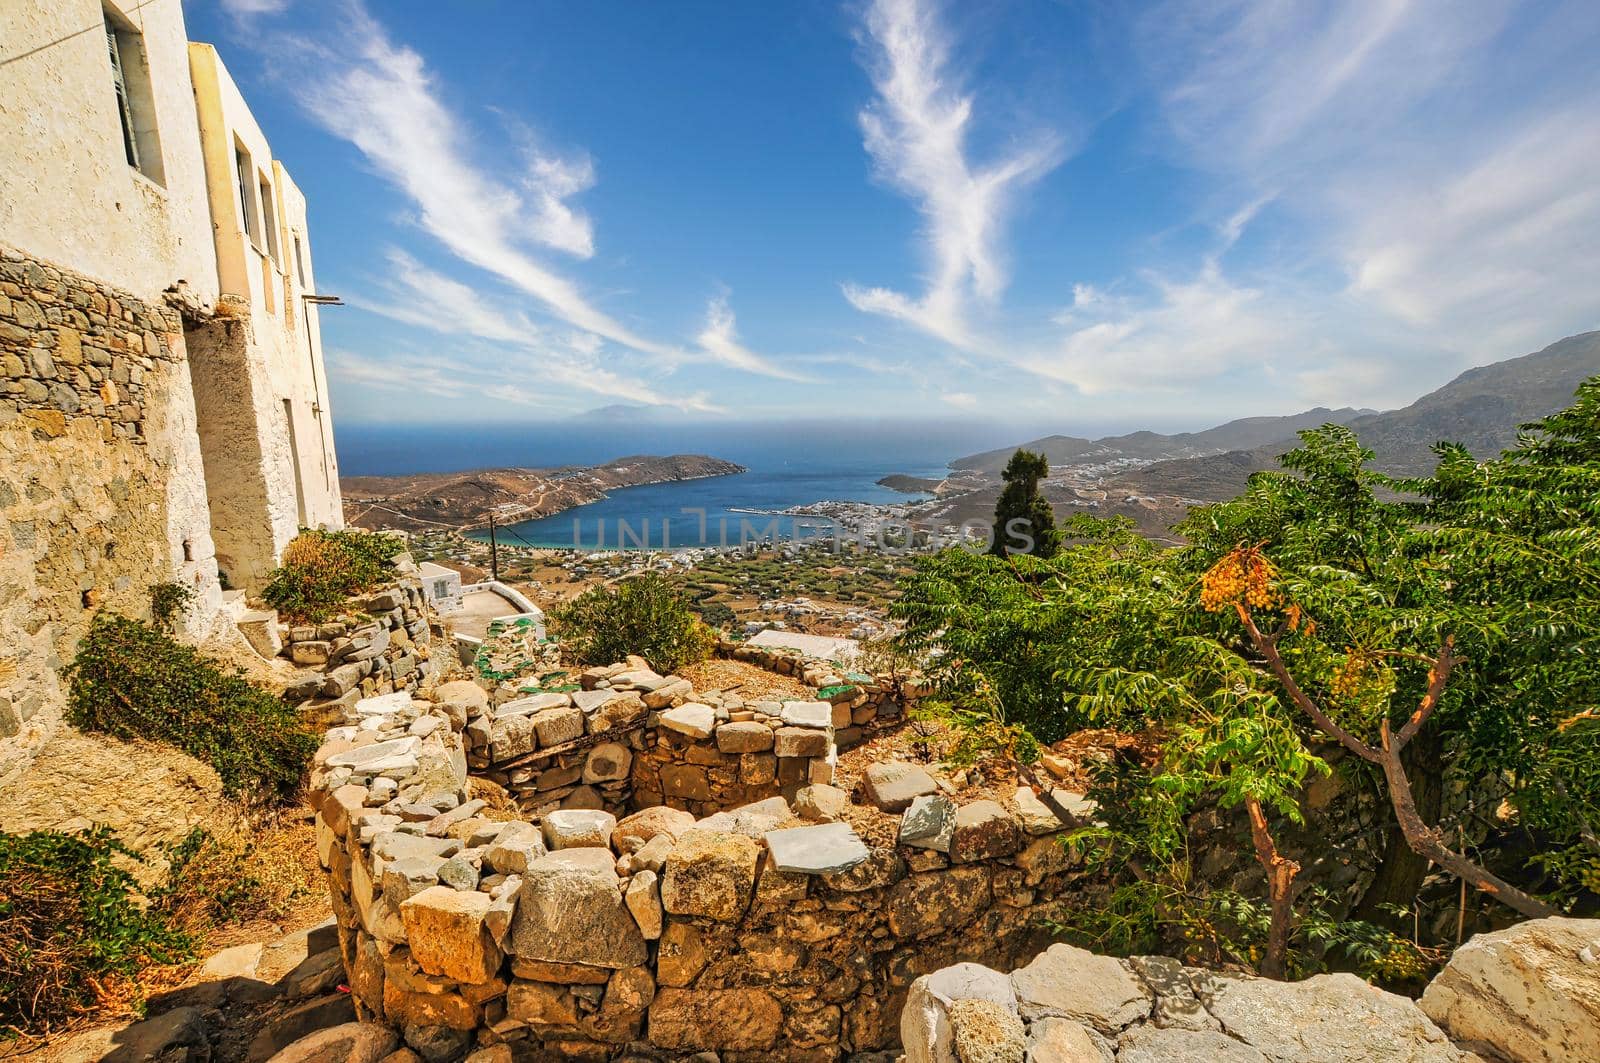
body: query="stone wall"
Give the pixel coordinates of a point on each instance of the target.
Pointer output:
(1525, 994)
(101, 491)
(772, 930)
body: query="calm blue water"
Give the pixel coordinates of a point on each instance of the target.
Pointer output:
(790, 464)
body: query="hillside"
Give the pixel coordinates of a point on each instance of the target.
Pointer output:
(1243, 434)
(1482, 409)
(462, 500)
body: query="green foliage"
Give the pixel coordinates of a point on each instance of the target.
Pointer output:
(168, 603)
(643, 614)
(70, 919)
(133, 681)
(322, 568)
(1023, 521)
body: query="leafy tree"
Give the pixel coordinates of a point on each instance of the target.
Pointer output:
(1023, 521)
(643, 614)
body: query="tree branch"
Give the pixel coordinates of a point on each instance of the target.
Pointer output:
(1280, 891)
(1268, 648)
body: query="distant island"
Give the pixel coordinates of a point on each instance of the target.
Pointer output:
(910, 485)
(462, 501)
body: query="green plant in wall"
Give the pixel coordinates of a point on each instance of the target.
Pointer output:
(133, 681)
(169, 602)
(322, 568)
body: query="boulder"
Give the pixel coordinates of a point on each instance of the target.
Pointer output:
(817, 715)
(446, 932)
(925, 1030)
(929, 823)
(748, 736)
(631, 832)
(1065, 1041)
(511, 737)
(176, 1036)
(1154, 1044)
(570, 910)
(820, 802)
(691, 718)
(983, 830)
(607, 762)
(1529, 992)
(938, 902)
(893, 785)
(710, 874)
(558, 725)
(573, 828)
(514, 848)
(800, 742)
(816, 850)
(983, 1031)
(350, 1042)
(1101, 992)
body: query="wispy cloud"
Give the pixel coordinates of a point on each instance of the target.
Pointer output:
(916, 130)
(720, 340)
(381, 97)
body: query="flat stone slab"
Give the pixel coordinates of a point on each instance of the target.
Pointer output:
(822, 849)
(376, 755)
(691, 718)
(813, 714)
(590, 701)
(930, 823)
(573, 828)
(893, 785)
(529, 705)
(384, 704)
(826, 647)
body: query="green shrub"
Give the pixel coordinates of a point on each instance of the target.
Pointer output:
(322, 568)
(641, 615)
(132, 681)
(70, 921)
(168, 603)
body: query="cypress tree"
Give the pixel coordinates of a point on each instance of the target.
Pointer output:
(1021, 513)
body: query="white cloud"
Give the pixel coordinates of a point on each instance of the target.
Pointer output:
(961, 400)
(720, 340)
(247, 8)
(916, 132)
(381, 98)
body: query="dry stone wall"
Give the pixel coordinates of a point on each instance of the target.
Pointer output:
(1527, 994)
(101, 487)
(768, 929)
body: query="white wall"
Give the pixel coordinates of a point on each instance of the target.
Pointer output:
(67, 193)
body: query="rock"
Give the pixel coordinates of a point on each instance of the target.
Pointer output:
(893, 785)
(1154, 1044)
(439, 826)
(312, 654)
(573, 828)
(1064, 1041)
(681, 955)
(753, 820)
(240, 961)
(512, 737)
(350, 1042)
(820, 802)
(409, 876)
(652, 855)
(1046, 856)
(620, 711)
(298, 1022)
(446, 932)
(560, 973)
(590, 701)
(800, 742)
(882, 867)
(816, 850)
(1034, 815)
(983, 830)
(691, 718)
(643, 897)
(937, 902)
(1531, 991)
(530, 705)
(472, 698)
(607, 762)
(714, 1019)
(260, 628)
(437, 1044)
(1332, 1018)
(570, 910)
(514, 848)
(558, 725)
(631, 989)
(1099, 991)
(633, 831)
(929, 823)
(710, 874)
(1176, 1005)
(379, 756)
(542, 1003)
(925, 1031)
(176, 1036)
(675, 689)
(493, 1054)
(813, 714)
(393, 845)
(985, 1032)
(744, 737)
(458, 873)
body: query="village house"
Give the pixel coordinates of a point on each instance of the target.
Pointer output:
(164, 413)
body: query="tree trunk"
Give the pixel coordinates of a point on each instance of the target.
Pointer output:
(1401, 870)
(1280, 891)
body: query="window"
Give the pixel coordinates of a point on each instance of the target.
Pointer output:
(130, 83)
(299, 261)
(247, 209)
(269, 220)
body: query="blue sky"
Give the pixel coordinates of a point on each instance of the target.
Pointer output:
(1082, 214)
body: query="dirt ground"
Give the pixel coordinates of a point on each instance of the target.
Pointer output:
(745, 680)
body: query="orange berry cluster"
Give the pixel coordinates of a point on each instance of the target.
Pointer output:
(1243, 576)
(1351, 674)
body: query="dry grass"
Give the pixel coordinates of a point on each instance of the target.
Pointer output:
(746, 680)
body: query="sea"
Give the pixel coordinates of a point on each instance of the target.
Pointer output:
(793, 463)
